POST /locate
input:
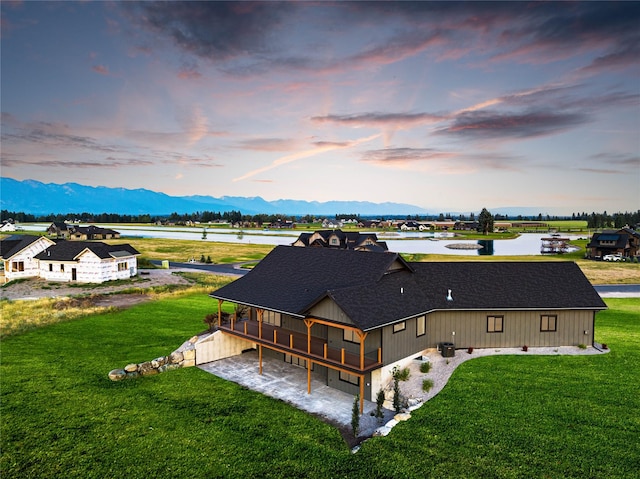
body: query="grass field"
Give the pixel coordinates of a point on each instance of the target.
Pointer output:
(503, 417)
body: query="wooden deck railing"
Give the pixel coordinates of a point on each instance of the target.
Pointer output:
(297, 343)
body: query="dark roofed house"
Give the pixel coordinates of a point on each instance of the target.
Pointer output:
(338, 239)
(351, 317)
(625, 242)
(81, 233)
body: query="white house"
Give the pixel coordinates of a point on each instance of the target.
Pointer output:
(18, 253)
(87, 262)
(70, 261)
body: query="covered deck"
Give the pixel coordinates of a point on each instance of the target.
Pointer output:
(306, 346)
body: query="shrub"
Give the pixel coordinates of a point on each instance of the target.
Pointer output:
(401, 374)
(427, 384)
(397, 402)
(582, 346)
(355, 416)
(379, 402)
(425, 367)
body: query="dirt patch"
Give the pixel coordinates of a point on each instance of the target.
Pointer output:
(96, 294)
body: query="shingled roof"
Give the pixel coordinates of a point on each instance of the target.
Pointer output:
(376, 289)
(289, 278)
(69, 250)
(14, 244)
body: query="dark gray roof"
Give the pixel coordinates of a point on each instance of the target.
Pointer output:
(474, 286)
(14, 244)
(290, 278)
(373, 291)
(68, 250)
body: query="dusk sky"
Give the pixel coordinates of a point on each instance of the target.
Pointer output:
(447, 106)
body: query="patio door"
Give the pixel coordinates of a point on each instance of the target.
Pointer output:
(74, 275)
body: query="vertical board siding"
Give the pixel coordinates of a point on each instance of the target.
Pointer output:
(519, 328)
(399, 345)
(328, 309)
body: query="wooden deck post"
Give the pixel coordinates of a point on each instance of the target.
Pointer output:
(362, 337)
(308, 323)
(219, 312)
(260, 315)
(260, 359)
(308, 376)
(362, 394)
(291, 341)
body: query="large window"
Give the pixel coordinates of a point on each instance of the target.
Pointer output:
(548, 322)
(350, 336)
(349, 378)
(123, 266)
(495, 324)
(271, 317)
(399, 327)
(296, 361)
(17, 266)
(421, 326)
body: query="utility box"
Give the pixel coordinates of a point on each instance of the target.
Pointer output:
(448, 350)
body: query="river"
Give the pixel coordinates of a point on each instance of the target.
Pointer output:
(402, 242)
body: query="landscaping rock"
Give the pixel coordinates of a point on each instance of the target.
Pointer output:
(176, 357)
(117, 374)
(404, 416)
(131, 368)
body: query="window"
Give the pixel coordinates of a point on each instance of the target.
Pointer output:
(349, 378)
(17, 266)
(123, 266)
(495, 324)
(271, 317)
(334, 241)
(62, 267)
(50, 266)
(350, 336)
(399, 327)
(421, 326)
(548, 322)
(296, 361)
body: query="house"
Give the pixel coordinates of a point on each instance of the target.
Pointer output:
(327, 223)
(350, 317)
(339, 239)
(26, 256)
(80, 233)
(7, 225)
(87, 262)
(624, 241)
(18, 254)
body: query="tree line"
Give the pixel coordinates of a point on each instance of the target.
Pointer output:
(594, 220)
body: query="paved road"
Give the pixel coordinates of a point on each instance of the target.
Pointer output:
(233, 269)
(621, 290)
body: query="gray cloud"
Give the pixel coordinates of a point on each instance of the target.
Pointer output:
(493, 125)
(253, 36)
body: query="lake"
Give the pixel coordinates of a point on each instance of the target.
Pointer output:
(401, 242)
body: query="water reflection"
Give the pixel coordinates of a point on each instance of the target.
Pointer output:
(401, 242)
(487, 247)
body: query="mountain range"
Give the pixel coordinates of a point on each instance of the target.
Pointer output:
(37, 198)
(34, 197)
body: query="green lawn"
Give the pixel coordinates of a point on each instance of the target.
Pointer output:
(520, 416)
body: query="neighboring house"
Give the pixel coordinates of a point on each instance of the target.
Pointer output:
(87, 262)
(327, 223)
(81, 233)
(351, 317)
(18, 255)
(624, 241)
(26, 256)
(339, 239)
(7, 226)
